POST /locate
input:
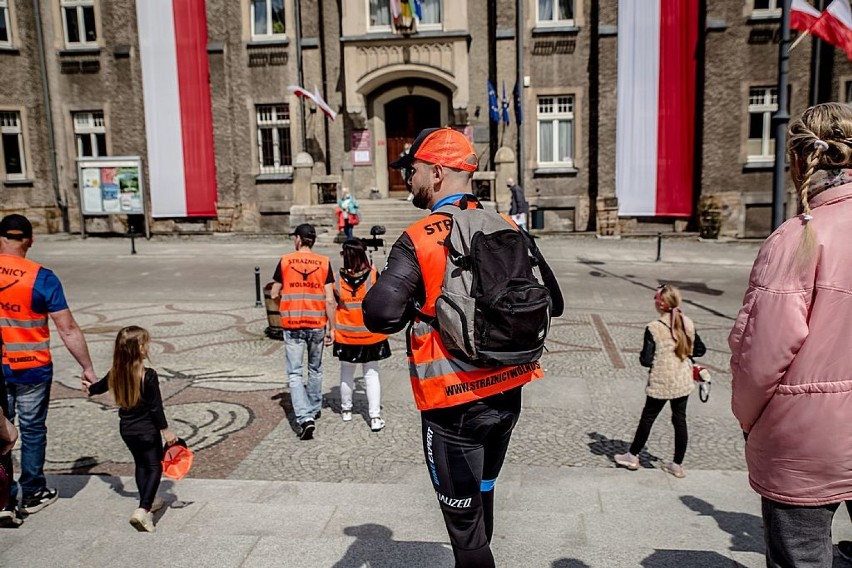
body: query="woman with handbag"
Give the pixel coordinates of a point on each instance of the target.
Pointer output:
(349, 207)
(790, 345)
(670, 345)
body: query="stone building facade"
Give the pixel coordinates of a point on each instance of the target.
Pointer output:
(73, 86)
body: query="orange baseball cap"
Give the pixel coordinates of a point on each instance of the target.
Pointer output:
(445, 146)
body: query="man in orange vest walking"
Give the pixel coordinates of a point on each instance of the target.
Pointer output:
(467, 412)
(29, 293)
(305, 284)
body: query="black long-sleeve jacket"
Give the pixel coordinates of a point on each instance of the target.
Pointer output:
(390, 304)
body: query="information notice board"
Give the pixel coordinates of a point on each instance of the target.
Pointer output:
(111, 186)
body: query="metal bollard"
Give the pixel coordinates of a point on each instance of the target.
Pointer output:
(659, 246)
(132, 243)
(257, 303)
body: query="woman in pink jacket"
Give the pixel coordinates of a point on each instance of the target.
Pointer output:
(791, 347)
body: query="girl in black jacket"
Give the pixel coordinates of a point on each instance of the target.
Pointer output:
(136, 391)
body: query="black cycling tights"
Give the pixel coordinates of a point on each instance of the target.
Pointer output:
(465, 447)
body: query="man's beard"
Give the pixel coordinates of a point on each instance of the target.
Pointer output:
(421, 198)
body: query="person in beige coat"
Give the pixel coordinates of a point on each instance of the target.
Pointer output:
(670, 344)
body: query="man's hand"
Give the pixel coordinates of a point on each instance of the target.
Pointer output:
(89, 378)
(8, 436)
(329, 338)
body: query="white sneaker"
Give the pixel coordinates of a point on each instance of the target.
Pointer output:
(142, 521)
(376, 424)
(627, 460)
(346, 415)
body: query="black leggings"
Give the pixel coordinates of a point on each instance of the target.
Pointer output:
(6, 460)
(465, 447)
(147, 450)
(653, 406)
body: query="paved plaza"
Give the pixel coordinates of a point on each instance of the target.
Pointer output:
(258, 496)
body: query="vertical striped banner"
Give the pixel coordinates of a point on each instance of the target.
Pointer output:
(178, 113)
(655, 129)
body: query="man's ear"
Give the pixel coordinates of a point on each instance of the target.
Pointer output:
(438, 172)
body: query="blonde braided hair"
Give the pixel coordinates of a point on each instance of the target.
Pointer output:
(820, 139)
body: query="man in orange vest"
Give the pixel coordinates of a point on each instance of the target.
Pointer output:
(29, 293)
(304, 283)
(467, 413)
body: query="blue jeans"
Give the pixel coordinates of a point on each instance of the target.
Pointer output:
(307, 401)
(29, 403)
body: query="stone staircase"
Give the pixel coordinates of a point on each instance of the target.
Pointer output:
(392, 213)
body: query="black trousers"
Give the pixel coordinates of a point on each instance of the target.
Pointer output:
(652, 409)
(465, 447)
(147, 450)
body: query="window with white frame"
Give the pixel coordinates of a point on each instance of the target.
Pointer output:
(555, 131)
(267, 18)
(555, 12)
(5, 23)
(380, 15)
(273, 139)
(78, 20)
(762, 102)
(90, 134)
(766, 8)
(430, 11)
(12, 134)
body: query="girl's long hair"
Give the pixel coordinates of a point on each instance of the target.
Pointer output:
(355, 256)
(126, 373)
(668, 299)
(830, 123)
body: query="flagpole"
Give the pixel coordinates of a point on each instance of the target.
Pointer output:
(781, 118)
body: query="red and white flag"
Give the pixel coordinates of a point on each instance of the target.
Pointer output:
(802, 15)
(316, 97)
(178, 113)
(834, 26)
(655, 127)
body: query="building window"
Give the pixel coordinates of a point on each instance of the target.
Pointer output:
(555, 12)
(762, 102)
(273, 139)
(380, 15)
(767, 8)
(431, 12)
(90, 134)
(13, 145)
(556, 131)
(267, 18)
(78, 19)
(5, 23)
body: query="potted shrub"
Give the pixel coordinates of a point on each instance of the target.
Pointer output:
(709, 217)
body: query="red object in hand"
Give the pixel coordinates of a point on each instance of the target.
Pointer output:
(177, 460)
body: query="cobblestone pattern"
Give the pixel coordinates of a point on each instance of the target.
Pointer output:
(224, 388)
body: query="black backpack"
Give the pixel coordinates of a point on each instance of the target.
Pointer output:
(493, 310)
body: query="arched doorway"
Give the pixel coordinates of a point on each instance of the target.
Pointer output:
(404, 118)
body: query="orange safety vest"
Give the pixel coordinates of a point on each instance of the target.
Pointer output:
(26, 335)
(349, 327)
(438, 379)
(303, 276)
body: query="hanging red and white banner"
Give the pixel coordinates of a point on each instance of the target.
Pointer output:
(655, 128)
(178, 113)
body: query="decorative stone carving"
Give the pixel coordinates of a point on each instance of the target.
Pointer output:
(437, 55)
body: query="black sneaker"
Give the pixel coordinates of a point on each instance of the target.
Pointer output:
(307, 431)
(37, 501)
(317, 415)
(11, 518)
(844, 547)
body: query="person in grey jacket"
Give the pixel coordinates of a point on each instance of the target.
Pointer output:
(519, 208)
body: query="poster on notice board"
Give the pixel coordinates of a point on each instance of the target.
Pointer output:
(111, 186)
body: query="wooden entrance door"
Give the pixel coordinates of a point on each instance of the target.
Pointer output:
(405, 117)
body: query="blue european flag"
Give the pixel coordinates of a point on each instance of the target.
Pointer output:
(493, 107)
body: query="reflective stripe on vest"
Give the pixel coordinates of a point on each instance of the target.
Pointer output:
(26, 335)
(438, 379)
(349, 328)
(303, 276)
